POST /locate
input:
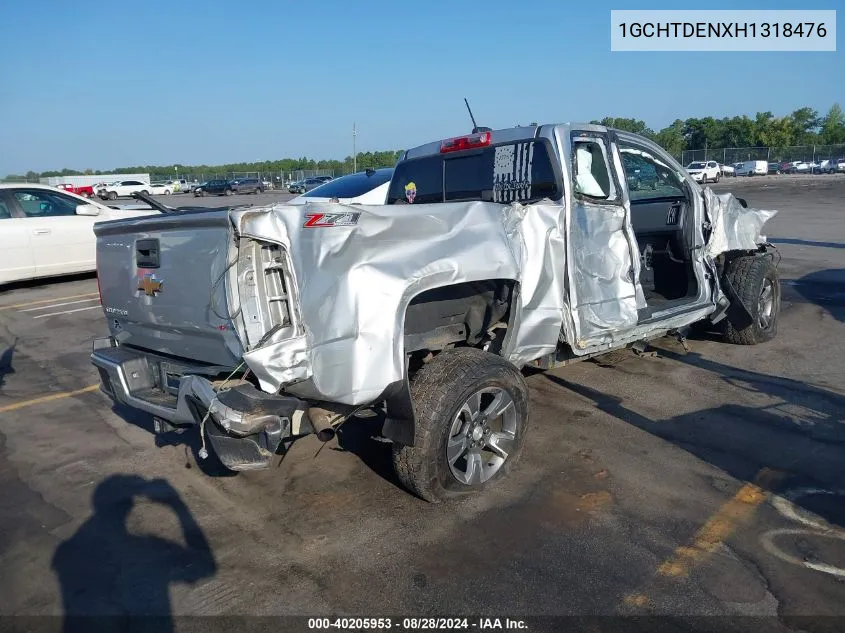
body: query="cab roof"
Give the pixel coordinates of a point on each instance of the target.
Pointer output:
(510, 134)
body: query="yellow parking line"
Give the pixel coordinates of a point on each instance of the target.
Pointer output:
(32, 303)
(737, 511)
(720, 526)
(50, 398)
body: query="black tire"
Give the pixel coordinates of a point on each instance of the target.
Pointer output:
(112, 195)
(748, 277)
(258, 191)
(717, 178)
(229, 192)
(439, 391)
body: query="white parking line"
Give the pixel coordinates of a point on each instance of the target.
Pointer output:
(41, 316)
(58, 305)
(32, 303)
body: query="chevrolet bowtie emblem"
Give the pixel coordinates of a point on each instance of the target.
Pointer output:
(150, 285)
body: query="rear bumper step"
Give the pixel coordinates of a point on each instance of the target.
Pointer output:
(245, 426)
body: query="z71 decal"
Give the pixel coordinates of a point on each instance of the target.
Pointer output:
(319, 220)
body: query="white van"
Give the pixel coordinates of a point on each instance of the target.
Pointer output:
(753, 168)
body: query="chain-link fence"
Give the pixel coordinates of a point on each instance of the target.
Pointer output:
(728, 155)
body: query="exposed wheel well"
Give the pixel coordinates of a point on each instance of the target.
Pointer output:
(472, 313)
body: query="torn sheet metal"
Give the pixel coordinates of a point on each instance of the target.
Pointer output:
(354, 279)
(733, 227)
(603, 293)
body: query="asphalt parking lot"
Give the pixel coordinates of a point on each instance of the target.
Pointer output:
(706, 482)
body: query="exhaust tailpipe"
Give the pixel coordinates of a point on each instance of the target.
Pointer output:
(323, 421)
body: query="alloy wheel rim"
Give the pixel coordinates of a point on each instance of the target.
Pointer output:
(766, 305)
(482, 436)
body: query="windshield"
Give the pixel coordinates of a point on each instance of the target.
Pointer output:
(696, 166)
(352, 185)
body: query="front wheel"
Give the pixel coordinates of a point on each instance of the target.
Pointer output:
(229, 192)
(112, 195)
(471, 410)
(755, 280)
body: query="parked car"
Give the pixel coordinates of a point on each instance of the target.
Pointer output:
(821, 167)
(80, 190)
(798, 167)
(180, 185)
(161, 188)
(365, 187)
(836, 166)
(727, 170)
(49, 232)
(215, 188)
(267, 184)
(774, 169)
(753, 168)
(303, 186)
(704, 172)
(247, 185)
(428, 310)
(123, 189)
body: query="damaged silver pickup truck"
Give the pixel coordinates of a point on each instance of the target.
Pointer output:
(533, 246)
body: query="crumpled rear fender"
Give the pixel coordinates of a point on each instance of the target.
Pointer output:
(732, 226)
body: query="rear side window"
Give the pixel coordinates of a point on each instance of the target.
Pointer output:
(512, 172)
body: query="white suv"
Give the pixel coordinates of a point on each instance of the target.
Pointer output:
(704, 171)
(123, 188)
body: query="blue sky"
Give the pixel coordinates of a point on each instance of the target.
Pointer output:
(100, 84)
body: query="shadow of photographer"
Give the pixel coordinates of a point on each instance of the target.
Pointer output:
(109, 576)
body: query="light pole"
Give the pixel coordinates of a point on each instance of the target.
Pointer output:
(354, 152)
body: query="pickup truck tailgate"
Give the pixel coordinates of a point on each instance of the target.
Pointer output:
(162, 284)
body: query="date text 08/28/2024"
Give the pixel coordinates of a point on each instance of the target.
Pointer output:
(416, 624)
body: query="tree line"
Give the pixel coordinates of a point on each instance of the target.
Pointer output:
(805, 126)
(365, 160)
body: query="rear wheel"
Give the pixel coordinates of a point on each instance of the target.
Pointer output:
(471, 410)
(755, 280)
(229, 192)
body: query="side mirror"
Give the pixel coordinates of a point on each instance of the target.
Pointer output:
(87, 209)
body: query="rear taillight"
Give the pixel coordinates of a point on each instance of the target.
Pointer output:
(458, 143)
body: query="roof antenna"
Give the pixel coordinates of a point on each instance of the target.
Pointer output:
(475, 128)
